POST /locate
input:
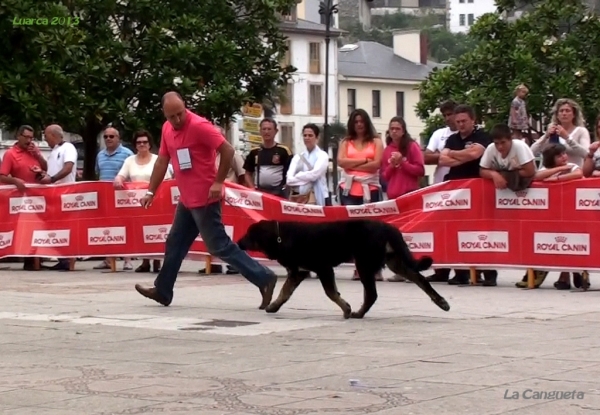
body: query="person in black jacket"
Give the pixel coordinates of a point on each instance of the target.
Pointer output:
(462, 154)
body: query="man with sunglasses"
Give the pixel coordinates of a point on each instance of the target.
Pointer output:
(108, 164)
(22, 165)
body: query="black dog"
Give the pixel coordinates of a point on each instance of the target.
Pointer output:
(320, 247)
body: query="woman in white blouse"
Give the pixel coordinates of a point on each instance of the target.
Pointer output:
(567, 128)
(138, 168)
(306, 174)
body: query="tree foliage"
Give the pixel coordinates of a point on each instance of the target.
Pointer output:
(554, 49)
(114, 65)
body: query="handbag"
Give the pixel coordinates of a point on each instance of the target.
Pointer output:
(308, 198)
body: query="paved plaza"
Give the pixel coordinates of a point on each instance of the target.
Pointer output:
(86, 343)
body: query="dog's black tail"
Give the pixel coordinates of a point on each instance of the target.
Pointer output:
(399, 246)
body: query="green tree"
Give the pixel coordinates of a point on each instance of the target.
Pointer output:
(554, 49)
(115, 59)
(445, 46)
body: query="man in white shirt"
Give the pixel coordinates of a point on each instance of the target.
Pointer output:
(62, 162)
(437, 142)
(508, 162)
(62, 168)
(436, 145)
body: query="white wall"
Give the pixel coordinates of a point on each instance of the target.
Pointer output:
(475, 7)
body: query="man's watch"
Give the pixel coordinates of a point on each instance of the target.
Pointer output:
(52, 179)
(149, 193)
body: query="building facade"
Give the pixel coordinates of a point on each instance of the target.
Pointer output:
(303, 100)
(384, 81)
(462, 14)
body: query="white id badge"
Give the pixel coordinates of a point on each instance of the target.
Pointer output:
(183, 158)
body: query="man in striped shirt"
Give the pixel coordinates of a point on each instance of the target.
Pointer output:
(108, 163)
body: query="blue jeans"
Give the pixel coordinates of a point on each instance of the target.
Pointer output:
(207, 222)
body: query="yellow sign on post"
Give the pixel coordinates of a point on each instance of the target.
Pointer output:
(254, 139)
(251, 125)
(254, 110)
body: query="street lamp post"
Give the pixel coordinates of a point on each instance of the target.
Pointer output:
(327, 9)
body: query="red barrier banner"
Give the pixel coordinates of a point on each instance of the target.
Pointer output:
(460, 223)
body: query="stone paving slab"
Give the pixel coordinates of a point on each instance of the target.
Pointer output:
(86, 343)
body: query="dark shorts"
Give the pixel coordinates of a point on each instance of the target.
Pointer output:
(358, 200)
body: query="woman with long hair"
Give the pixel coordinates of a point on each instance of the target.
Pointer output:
(359, 156)
(567, 128)
(402, 165)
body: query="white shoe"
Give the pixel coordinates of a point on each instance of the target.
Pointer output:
(128, 266)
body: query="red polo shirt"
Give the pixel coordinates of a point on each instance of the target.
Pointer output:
(17, 163)
(201, 139)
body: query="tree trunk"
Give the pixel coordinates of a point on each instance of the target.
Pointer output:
(90, 147)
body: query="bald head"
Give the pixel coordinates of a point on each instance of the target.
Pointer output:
(54, 134)
(174, 109)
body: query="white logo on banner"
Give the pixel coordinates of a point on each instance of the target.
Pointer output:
(228, 231)
(388, 207)
(523, 199)
(561, 243)
(32, 204)
(483, 241)
(419, 241)
(244, 199)
(175, 195)
(156, 234)
(79, 201)
(291, 208)
(129, 198)
(6, 239)
(459, 199)
(107, 236)
(54, 238)
(587, 199)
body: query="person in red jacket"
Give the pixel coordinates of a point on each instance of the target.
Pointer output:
(402, 162)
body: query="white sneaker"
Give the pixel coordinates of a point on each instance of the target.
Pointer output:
(128, 266)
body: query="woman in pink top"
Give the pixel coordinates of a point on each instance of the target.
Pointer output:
(402, 164)
(359, 156)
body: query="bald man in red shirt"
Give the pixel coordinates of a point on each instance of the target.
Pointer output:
(191, 143)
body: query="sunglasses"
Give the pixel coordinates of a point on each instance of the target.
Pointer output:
(109, 136)
(139, 143)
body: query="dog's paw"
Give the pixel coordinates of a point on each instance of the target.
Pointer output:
(356, 314)
(272, 308)
(347, 311)
(443, 304)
